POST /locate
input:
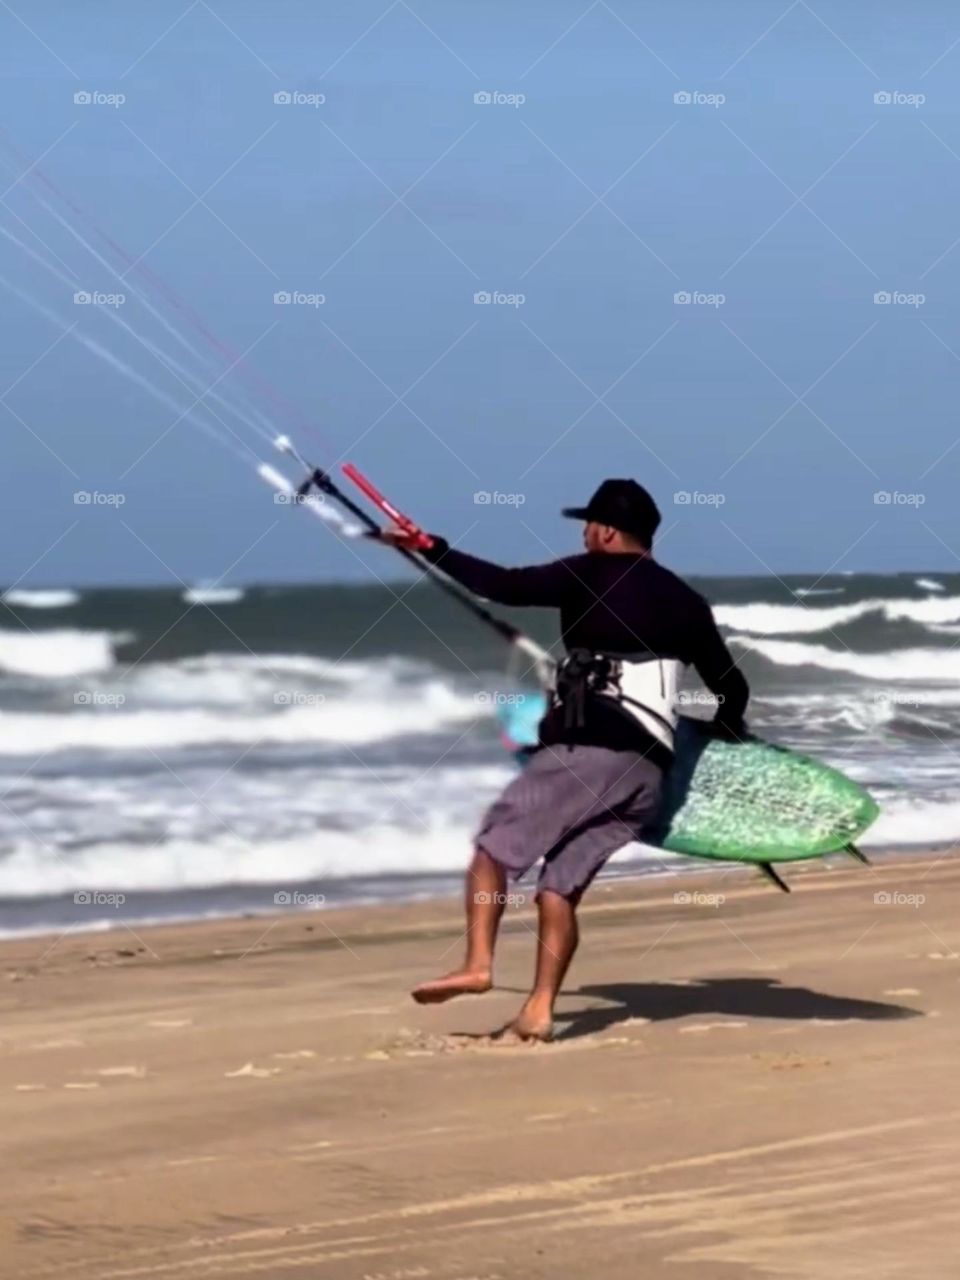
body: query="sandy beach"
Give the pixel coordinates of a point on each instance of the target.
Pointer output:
(760, 1087)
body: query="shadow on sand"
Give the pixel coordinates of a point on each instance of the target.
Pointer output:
(739, 997)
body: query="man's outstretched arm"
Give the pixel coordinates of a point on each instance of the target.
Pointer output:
(547, 585)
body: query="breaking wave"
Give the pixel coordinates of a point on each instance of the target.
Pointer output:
(926, 665)
(58, 653)
(24, 599)
(798, 619)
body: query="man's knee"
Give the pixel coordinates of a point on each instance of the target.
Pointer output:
(548, 898)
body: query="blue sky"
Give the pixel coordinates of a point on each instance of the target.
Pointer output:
(783, 197)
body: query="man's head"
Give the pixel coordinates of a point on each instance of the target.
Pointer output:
(621, 516)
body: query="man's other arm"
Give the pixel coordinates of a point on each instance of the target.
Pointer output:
(720, 673)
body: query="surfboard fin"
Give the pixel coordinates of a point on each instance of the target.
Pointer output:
(854, 852)
(769, 872)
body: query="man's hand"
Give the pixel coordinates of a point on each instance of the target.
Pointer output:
(404, 539)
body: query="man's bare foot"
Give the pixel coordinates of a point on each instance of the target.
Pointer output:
(464, 982)
(525, 1029)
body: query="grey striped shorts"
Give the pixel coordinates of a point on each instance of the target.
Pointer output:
(573, 807)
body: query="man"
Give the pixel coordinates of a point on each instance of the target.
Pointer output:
(593, 785)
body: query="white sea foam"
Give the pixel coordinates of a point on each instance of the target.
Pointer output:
(819, 591)
(203, 594)
(924, 665)
(772, 619)
(870, 710)
(31, 871)
(906, 821)
(242, 681)
(931, 610)
(930, 584)
(424, 708)
(799, 619)
(440, 847)
(50, 599)
(57, 653)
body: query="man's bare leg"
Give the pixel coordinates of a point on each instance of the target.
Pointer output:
(557, 939)
(485, 896)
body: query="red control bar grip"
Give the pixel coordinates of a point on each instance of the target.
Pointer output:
(423, 540)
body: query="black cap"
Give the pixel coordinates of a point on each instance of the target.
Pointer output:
(623, 505)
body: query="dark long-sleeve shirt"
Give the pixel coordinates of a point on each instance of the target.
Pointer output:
(624, 604)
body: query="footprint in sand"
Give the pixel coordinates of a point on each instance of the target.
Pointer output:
(790, 1061)
(135, 1073)
(29, 1088)
(248, 1069)
(902, 991)
(171, 1022)
(81, 1084)
(297, 1053)
(413, 1044)
(420, 1044)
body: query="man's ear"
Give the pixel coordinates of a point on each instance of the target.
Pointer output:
(608, 535)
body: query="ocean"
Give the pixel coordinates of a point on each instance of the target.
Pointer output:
(295, 747)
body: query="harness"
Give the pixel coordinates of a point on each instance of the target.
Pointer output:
(644, 687)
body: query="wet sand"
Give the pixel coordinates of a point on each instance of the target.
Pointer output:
(764, 1087)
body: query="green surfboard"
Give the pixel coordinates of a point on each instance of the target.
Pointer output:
(757, 802)
(739, 801)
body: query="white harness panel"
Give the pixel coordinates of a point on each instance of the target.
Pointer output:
(645, 688)
(648, 691)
